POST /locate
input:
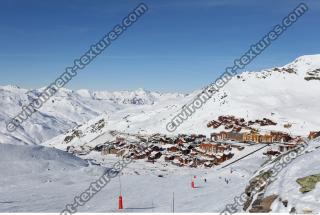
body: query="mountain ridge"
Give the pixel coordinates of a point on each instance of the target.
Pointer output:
(289, 93)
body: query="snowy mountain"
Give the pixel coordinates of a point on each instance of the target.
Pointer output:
(66, 110)
(285, 95)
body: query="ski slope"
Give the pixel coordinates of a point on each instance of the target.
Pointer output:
(40, 179)
(51, 178)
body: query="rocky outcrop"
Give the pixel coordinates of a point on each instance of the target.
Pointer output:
(308, 183)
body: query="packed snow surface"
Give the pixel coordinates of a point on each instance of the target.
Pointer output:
(39, 179)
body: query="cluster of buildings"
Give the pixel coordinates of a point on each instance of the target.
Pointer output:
(183, 150)
(284, 141)
(249, 133)
(191, 150)
(237, 124)
(253, 136)
(256, 137)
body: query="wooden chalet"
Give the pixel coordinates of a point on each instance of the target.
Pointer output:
(313, 135)
(109, 151)
(222, 157)
(214, 148)
(180, 141)
(219, 136)
(173, 149)
(280, 137)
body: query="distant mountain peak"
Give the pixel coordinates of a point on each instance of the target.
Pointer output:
(289, 93)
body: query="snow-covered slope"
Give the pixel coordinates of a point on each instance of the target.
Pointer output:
(285, 187)
(287, 94)
(282, 94)
(288, 189)
(39, 179)
(66, 110)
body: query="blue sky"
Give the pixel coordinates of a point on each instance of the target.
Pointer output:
(176, 46)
